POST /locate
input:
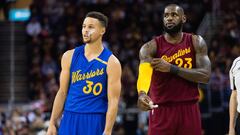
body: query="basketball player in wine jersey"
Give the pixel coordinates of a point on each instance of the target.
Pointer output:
(171, 67)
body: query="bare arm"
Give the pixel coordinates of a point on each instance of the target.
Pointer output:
(114, 72)
(62, 92)
(146, 54)
(200, 74)
(148, 51)
(232, 111)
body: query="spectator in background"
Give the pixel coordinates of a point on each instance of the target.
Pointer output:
(5, 6)
(33, 27)
(49, 65)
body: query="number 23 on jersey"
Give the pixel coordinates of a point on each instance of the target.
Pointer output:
(184, 62)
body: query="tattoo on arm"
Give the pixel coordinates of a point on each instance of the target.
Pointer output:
(201, 74)
(148, 51)
(202, 59)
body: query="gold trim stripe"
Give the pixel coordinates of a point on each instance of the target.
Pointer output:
(100, 60)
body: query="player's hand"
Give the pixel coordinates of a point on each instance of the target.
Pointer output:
(52, 130)
(231, 132)
(160, 65)
(145, 103)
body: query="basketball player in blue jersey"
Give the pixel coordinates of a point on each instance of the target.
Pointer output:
(90, 84)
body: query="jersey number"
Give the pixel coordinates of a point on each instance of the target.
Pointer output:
(188, 64)
(91, 87)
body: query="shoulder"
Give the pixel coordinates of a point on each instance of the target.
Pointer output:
(236, 63)
(149, 49)
(199, 43)
(235, 68)
(197, 39)
(108, 52)
(67, 58)
(150, 44)
(236, 59)
(113, 60)
(159, 37)
(68, 54)
(113, 64)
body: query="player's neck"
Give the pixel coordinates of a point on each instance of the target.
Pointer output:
(94, 47)
(174, 38)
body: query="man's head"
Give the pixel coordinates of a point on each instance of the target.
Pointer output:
(173, 19)
(94, 26)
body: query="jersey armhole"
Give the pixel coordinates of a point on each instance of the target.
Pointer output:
(158, 45)
(192, 43)
(72, 60)
(234, 86)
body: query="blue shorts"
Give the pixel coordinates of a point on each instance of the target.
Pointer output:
(82, 123)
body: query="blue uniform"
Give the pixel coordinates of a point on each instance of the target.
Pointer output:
(86, 103)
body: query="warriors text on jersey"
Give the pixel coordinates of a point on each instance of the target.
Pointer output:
(88, 83)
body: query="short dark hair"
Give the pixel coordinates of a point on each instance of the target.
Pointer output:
(175, 5)
(103, 19)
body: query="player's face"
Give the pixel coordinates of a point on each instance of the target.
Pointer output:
(92, 30)
(173, 19)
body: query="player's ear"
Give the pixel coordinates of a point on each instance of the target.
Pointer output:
(103, 30)
(184, 19)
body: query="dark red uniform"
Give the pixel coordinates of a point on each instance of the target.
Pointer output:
(178, 112)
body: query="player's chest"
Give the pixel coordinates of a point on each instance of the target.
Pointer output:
(182, 56)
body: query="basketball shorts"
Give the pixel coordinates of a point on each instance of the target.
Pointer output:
(82, 123)
(175, 119)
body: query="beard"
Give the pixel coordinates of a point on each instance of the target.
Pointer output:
(87, 40)
(175, 29)
(91, 39)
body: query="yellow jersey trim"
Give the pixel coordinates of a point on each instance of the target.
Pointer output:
(102, 61)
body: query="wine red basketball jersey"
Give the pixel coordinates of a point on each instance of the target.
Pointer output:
(170, 88)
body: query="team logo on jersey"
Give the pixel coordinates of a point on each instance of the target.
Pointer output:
(180, 53)
(78, 76)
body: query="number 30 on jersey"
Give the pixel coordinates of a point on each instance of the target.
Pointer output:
(96, 88)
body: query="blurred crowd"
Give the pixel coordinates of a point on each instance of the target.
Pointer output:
(55, 26)
(224, 47)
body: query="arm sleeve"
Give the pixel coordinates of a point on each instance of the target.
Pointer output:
(144, 77)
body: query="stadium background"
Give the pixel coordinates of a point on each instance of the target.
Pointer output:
(31, 51)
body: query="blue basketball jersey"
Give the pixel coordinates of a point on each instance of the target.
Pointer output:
(87, 91)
